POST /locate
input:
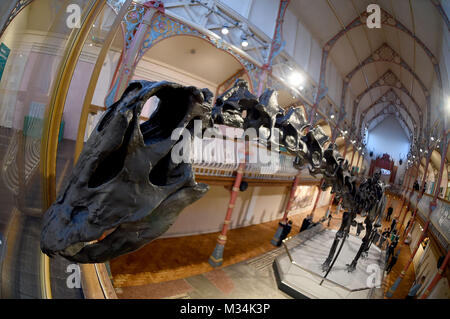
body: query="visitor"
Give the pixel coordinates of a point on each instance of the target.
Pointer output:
(393, 261)
(390, 251)
(389, 213)
(395, 241)
(359, 228)
(415, 288)
(416, 186)
(382, 241)
(406, 228)
(285, 232)
(393, 224)
(408, 239)
(329, 219)
(424, 187)
(393, 234)
(306, 223)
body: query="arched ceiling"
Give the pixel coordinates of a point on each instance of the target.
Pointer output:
(388, 99)
(402, 56)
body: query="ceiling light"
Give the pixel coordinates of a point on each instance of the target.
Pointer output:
(244, 42)
(301, 87)
(225, 30)
(296, 78)
(345, 132)
(332, 116)
(432, 138)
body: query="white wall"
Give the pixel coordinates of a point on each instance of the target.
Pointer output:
(388, 137)
(254, 206)
(261, 13)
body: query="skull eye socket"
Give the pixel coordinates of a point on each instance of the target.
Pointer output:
(173, 107)
(110, 166)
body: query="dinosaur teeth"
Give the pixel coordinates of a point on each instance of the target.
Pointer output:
(106, 233)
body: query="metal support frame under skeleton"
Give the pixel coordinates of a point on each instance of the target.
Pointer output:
(126, 190)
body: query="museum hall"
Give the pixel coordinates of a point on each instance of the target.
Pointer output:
(224, 149)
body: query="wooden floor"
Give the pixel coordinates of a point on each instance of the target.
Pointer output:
(172, 259)
(181, 257)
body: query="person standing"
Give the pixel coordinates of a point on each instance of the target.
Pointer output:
(393, 261)
(389, 213)
(306, 222)
(393, 234)
(329, 219)
(415, 288)
(407, 225)
(382, 240)
(393, 224)
(285, 232)
(390, 251)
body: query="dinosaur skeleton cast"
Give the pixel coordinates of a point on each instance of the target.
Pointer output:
(126, 189)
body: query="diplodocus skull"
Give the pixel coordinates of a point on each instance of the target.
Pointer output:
(125, 184)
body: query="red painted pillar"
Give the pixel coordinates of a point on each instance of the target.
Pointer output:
(284, 220)
(436, 278)
(404, 187)
(357, 163)
(291, 198)
(353, 155)
(125, 69)
(216, 258)
(409, 198)
(345, 149)
(317, 198)
(419, 197)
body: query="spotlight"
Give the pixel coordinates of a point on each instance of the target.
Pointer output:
(296, 78)
(244, 42)
(432, 138)
(345, 132)
(225, 30)
(332, 116)
(301, 87)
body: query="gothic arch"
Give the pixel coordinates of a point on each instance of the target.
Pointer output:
(387, 79)
(392, 97)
